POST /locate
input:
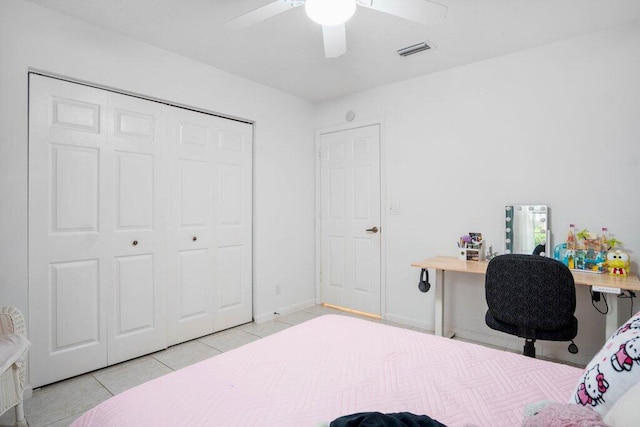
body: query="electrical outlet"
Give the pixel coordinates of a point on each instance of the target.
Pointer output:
(277, 289)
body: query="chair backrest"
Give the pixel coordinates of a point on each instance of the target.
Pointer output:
(530, 291)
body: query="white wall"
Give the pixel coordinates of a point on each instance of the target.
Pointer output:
(567, 113)
(34, 37)
(556, 125)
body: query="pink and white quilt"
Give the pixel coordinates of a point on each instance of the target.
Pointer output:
(336, 365)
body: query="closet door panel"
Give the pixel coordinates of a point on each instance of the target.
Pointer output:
(75, 192)
(68, 253)
(134, 189)
(75, 114)
(74, 325)
(134, 288)
(229, 276)
(233, 219)
(137, 136)
(194, 280)
(190, 237)
(193, 193)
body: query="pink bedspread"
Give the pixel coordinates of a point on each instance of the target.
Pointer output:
(336, 365)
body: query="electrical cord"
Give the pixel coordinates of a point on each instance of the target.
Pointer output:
(604, 298)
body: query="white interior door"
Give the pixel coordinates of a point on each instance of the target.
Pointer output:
(191, 234)
(97, 229)
(210, 226)
(137, 205)
(69, 256)
(233, 145)
(350, 218)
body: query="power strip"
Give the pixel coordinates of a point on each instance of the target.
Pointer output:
(606, 290)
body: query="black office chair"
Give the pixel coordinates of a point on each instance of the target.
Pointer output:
(533, 297)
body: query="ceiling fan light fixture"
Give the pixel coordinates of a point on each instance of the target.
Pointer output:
(330, 12)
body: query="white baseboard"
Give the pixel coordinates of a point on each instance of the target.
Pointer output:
(408, 322)
(261, 318)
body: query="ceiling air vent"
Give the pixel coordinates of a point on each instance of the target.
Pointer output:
(410, 50)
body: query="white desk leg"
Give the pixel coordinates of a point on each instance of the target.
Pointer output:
(611, 319)
(439, 307)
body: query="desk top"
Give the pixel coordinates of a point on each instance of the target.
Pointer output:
(453, 264)
(631, 282)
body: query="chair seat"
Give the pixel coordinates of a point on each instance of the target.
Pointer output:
(566, 333)
(12, 347)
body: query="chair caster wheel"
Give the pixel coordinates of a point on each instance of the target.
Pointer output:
(573, 349)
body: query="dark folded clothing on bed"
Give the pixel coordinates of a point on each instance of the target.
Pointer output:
(377, 419)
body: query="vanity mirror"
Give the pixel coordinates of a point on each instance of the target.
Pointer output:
(526, 229)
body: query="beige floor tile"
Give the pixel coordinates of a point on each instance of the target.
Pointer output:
(228, 340)
(182, 355)
(8, 418)
(321, 310)
(62, 400)
(142, 370)
(267, 328)
(66, 422)
(118, 366)
(297, 317)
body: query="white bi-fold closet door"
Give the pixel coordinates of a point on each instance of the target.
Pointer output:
(139, 226)
(210, 216)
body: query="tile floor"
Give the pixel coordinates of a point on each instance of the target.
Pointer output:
(60, 404)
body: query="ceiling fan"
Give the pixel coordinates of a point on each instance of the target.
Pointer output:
(332, 15)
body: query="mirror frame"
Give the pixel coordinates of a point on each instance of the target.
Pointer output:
(510, 236)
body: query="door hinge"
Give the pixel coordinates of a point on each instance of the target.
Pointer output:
(319, 153)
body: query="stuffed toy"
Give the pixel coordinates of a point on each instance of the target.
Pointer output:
(618, 263)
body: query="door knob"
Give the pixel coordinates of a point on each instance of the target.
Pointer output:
(194, 238)
(134, 243)
(373, 230)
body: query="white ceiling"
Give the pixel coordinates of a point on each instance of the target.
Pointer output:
(286, 51)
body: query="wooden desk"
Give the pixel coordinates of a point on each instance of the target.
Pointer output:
(443, 263)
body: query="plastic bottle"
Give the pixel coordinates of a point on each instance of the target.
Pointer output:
(601, 256)
(571, 238)
(604, 246)
(571, 246)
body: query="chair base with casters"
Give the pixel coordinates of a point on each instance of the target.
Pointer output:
(530, 337)
(13, 354)
(532, 297)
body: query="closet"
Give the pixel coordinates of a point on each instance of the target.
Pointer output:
(139, 226)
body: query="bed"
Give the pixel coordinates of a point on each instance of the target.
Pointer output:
(336, 365)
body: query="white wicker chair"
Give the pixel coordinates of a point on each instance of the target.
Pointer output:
(13, 358)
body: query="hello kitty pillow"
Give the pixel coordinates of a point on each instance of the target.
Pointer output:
(613, 371)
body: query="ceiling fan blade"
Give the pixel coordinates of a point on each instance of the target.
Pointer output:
(260, 14)
(335, 40)
(421, 11)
